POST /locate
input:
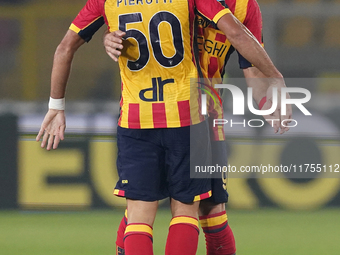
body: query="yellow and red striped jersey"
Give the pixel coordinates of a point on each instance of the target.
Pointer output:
(215, 50)
(157, 61)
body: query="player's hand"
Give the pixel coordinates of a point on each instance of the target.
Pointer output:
(285, 117)
(52, 129)
(113, 43)
(276, 118)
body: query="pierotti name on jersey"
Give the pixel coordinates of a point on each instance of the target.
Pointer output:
(141, 2)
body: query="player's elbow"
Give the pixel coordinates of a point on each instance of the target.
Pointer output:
(69, 45)
(64, 52)
(64, 49)
(238, 37)
(236, 33)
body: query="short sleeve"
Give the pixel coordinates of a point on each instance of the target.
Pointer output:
(89, 19)
(211, 10)
(253, 21)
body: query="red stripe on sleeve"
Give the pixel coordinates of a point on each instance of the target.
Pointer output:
(133, 117)
(90, 12)
(231, 5)
(159, 115)
(210, 9)
(253, 19)
(184, 112)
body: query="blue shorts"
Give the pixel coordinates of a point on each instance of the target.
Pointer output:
(219, 185)
(155, 163)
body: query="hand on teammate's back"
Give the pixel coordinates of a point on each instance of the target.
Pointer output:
(52, 129)
(113, 43)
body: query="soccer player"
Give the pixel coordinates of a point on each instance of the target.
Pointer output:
(156, 111)
(214, 53)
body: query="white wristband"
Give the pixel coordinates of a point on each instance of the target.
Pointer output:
(57, 104)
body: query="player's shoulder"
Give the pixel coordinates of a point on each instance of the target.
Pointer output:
(242, 8)
(99, 2)
(96, 4)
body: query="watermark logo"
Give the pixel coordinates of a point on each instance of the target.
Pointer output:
(239, 103)
(204, 97)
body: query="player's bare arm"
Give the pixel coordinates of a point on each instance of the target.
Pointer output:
(247, 45)
(54, 124)
(113, 43)
(287, 116)
(258, 82)
(62, 63)
(243, 40)
(261, 88)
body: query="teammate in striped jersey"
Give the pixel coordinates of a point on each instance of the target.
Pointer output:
(214, 51)
(156, 110)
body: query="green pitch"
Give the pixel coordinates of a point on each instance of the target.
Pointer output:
(259, 232)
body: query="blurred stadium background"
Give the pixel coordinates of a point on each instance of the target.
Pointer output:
(61, 202)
